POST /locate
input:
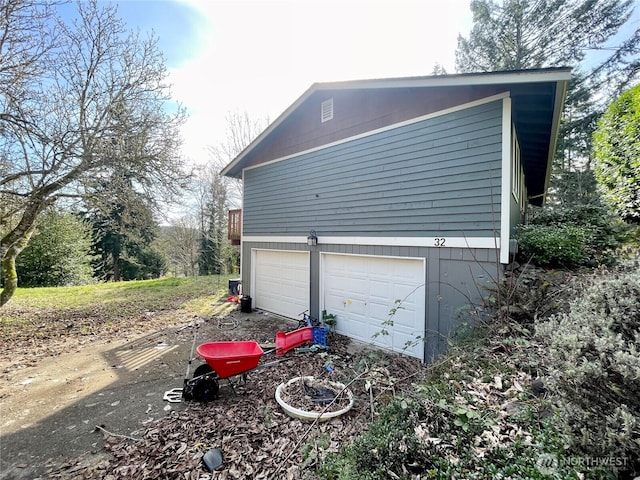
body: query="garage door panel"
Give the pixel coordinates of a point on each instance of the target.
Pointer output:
(356, 286)
(362, 291)
(379, 311)
(357, 306)
(409, 341)
(357, 326)
(384, 341)
(333, 301)
(379, 288)
(282, 282)
(355, 268)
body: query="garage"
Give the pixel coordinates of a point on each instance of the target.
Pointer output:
(281, 281)
(361, 290)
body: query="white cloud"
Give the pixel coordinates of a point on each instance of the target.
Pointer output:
(259, 57)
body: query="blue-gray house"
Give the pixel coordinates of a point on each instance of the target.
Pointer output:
(412, 187)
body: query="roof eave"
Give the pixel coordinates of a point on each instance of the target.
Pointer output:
(463, 79)
(561, 93)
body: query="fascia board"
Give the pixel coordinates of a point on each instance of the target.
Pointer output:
(474, 79)
(561, 93)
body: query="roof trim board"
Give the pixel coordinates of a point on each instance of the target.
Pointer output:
(465, 79)
(561, 93)
(438, 242)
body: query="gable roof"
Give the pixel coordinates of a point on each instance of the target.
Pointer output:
(537, 101)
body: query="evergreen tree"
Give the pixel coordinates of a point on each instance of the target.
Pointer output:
(520, 34)
(213, 254)
(524, 34)
(617, 152)
(58, 253)
(123, 230)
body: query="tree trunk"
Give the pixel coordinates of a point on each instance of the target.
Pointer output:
(10, 278)
(12, 244)
(9, 267)
(116, 268)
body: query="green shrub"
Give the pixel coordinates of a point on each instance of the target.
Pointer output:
(606, 232)
(630, 243)
(553, 245)
(594, 359)
(387, 446)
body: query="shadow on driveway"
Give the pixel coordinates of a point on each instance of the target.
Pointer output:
(119, 387)
(138, 373)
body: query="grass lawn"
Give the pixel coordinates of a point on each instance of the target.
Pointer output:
(194, 294)
(110, 308)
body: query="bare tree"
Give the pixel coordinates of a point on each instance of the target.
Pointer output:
(23, 55)
(213, 194)
(92, 104)
(241, 130)
(26, 40)
(208, 200)
(181, 243)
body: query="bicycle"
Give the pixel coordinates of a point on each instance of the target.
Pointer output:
(307, 320)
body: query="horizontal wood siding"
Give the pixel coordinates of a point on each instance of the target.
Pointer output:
(436, 177)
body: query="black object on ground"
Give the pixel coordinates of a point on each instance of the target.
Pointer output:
(320, 395)
(245, 304)
(212, 459)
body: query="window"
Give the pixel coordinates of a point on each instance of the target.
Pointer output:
(523, 194)
(517, 177)
(326, 110)
(518, 185)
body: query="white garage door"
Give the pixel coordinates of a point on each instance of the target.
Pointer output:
(281, 282)
(362, 291)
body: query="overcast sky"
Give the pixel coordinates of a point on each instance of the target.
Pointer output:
(260, 56)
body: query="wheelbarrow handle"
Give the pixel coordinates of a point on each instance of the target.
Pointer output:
(271, 364)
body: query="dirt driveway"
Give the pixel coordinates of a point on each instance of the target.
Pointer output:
(50, 406)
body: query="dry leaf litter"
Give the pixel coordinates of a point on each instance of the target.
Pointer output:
(258, 440)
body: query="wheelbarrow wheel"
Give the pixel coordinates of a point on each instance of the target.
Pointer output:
(203, 387)
(202, 370)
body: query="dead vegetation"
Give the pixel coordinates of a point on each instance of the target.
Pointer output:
(256, 437)
(482, 408)
(258, 440)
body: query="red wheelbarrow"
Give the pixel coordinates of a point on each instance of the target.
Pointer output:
(227, 359)
(230, 358)
(223, 360)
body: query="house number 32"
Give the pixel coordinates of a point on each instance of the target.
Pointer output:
(439, 242)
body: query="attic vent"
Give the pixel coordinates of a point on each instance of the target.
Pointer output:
(326, 110)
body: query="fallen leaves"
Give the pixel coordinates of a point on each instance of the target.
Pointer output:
(248, 426)
(256, 438)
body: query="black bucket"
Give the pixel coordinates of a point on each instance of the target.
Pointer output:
(245, 305)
